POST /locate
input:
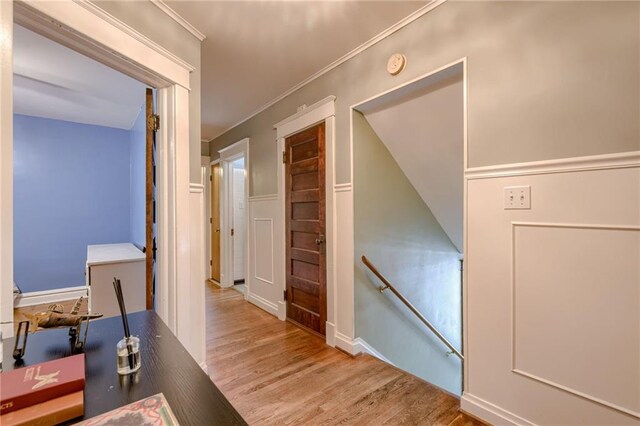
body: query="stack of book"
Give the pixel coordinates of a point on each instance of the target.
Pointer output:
(43, 394)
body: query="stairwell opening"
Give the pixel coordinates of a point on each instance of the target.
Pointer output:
(408, 183)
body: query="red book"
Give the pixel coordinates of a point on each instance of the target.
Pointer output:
(49, 413)
(40, 382)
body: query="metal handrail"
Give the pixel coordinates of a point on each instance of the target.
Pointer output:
(388, 285)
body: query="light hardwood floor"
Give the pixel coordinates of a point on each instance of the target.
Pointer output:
(275, 373)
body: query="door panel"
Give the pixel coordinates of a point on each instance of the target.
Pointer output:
(215, 221)
(305, 229)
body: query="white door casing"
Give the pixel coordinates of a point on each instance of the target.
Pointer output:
(89, 30)
(339, 326)
(228, 155)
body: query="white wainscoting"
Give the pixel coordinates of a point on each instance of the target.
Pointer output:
(265, 283)
(192, 331)
(552, 319)
(344, 269)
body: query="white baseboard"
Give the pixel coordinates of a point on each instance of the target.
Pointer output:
(204, 367)
(282, 311)
(263, 304)
(345, 343)
(49, 296)
(490, 413)
(331, 334)
(362, 346)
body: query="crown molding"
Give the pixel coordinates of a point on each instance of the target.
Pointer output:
(179, 19)
(384, 34)
(107, 17)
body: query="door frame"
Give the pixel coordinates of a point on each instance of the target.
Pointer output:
(88, 29)
(227, 156)
(308, 116)
(209, 223)
(465, 250)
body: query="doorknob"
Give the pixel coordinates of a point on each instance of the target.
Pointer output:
(217, 229)
(320, 239)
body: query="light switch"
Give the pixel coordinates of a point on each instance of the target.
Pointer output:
(517, 197)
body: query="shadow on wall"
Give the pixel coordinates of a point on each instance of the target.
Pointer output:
(400, 235)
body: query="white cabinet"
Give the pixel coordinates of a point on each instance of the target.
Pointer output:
(122, 261)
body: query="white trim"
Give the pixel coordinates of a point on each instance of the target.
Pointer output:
(263, 303)
(196, 188)
(384, 34)
(179, 19)
(282, 310)
(50, 296)
(312, 114)
(331, 334)
(488, 412)
(111, 40)
(345, 343)
(342, 187)
(6, 168)
(562, 165)
(270, 197)
(321, 111)
(229, 154)
(204, 367)
(361, 346)
(105, 16)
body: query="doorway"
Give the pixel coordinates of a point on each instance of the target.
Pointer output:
(233, 189)
(305, 224)
(214, 262)
(131, 54)
(70, 213)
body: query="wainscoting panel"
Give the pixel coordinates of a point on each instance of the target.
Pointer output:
(263, 249)
(552, 317)
(265, 283)
(582, 282)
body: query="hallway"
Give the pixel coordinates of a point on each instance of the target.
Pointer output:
(275, 373)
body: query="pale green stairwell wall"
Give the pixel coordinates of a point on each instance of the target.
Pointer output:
(396, 230)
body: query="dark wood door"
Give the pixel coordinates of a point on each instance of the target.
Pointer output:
(150, 190)
(306, 294)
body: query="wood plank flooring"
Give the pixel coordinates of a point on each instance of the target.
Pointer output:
(275, 373)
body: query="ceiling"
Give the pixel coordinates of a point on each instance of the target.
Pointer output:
(255, 51)
(52, 81)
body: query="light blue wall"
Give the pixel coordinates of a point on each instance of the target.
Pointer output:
(71, 189)
(137, 140)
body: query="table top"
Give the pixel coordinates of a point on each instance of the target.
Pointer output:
(167, 367)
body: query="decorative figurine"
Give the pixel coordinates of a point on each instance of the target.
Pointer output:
(55, 317)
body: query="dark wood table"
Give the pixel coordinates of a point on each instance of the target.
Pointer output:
(167, 367)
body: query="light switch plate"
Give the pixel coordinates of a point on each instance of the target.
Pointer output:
(517, 197)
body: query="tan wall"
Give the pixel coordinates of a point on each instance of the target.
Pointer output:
(152, 22)
(546, 80)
